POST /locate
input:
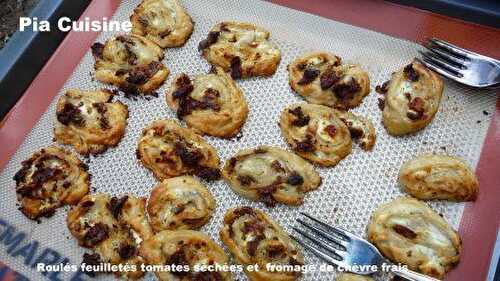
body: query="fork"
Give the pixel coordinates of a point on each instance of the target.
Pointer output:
(342, 248)
(461, 65)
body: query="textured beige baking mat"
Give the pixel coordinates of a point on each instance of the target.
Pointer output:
(350, 191)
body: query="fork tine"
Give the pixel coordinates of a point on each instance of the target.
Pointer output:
(337, 230)
(324, 234)
(313, 239)
(442, 63)
(455, 59)
(431, 65)
(452, 48)
(329, 259)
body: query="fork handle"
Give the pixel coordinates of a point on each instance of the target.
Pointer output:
(412, 275)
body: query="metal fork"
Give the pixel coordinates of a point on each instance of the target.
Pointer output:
(342, 248)
(461, 65)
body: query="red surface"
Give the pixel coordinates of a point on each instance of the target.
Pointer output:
(7, 274)
(481, 219)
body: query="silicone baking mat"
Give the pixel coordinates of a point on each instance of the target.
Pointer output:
(350, 191)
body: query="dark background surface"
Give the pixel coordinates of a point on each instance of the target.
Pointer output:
(10, 11)
(27, 52)
(486, 12)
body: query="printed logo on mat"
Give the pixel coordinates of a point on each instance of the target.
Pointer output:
(16, 244)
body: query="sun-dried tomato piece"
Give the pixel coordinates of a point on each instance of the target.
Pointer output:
(310, 74)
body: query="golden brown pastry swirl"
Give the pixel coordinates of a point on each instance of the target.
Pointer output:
(169, 150)
(49, 179)
(90, 120)
(193, 253)
(180, 203)
(412, 98)
(316, 133)
(407, 231)
(431, 176)
(164, 22)
(241, 48)
(113, 227)
(130, 62)
(271, 175)
(212, 104)
(254, 238)
(321, 78)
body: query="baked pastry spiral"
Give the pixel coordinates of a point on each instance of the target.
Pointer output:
(407, 231)
(90, 120)
(180, 203)
(320, 78)
(412, 98)
(254, 238)
(193, 255)
(316, 133)
(113, 228)
(49, 179)
(241, 48)
(130, 62)
(432, 176)
(271, 175)
(164, 22)
(169, 150)
(212, 104)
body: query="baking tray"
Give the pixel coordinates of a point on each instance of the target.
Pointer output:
(350, 191)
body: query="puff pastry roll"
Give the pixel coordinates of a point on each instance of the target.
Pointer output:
(212, 104)
(360, 128)
(90, 120)
(320, 78)
(316, 133)
(190, 251)
(254, 238)
(113, 228)
(49, 179)
(353, 277)
(164, 22)
(407, 231)
(241, 48)
(439, 177)
(131, 212)
(271, 175)
(180, 203)
(412, 98)
(130, 62)
(169, 150)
